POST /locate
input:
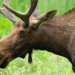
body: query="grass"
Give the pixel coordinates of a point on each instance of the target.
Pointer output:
(44, 63)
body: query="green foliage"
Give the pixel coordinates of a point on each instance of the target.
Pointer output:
(44, 63)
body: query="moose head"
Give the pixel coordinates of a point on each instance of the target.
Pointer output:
(25, 35)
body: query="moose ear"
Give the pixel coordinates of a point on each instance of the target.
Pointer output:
(35, 13)
(48, 16)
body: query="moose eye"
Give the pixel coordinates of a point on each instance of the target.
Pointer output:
(22, 34)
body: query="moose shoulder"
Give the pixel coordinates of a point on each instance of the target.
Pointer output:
(47, 32)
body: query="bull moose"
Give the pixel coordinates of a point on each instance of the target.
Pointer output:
(48, 32)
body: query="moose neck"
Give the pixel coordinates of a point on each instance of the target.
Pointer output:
(53, 37)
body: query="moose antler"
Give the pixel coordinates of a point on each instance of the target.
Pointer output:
(23, 16)
(7, 13)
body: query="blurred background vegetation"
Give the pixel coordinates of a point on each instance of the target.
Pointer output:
(44, 63)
